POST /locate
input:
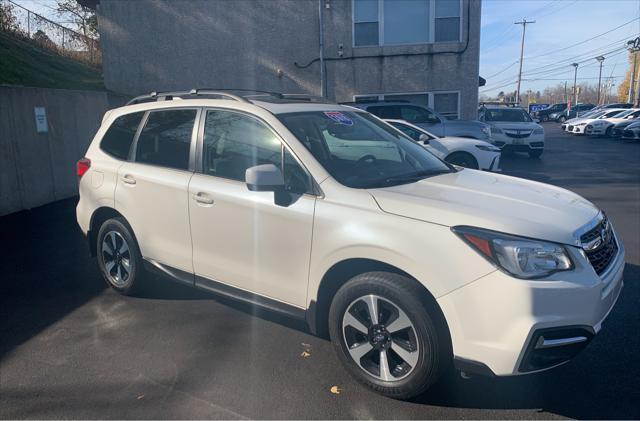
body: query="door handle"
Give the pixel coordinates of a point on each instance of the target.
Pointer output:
(203, 198)
(128, 179)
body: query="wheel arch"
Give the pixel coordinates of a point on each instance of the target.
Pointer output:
(98, 217)
(461, 152)
(343, 271)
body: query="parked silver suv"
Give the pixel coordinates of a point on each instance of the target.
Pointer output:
(426, 118)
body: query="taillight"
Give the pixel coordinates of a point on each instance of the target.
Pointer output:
(82, 166)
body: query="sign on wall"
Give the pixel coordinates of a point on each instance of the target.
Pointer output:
(41, 119)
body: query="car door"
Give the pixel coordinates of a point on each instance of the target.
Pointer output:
(152, 187)
(241, 238)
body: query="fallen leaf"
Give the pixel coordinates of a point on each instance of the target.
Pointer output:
(335, 390)
(305, 354)
(140, 397)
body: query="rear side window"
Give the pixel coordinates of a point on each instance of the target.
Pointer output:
(117, 140)
(166, 139)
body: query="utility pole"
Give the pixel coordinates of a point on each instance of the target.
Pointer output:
(575, 79)
(600, 60)
(565, 91)
(633, 46)
(524, 23)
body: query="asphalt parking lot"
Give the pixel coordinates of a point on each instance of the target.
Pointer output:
(70, 348)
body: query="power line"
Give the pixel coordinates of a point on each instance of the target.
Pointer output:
(585, 41)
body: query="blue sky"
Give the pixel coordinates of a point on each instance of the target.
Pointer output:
(559, 24)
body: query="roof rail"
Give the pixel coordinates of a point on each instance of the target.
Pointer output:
(169, 95)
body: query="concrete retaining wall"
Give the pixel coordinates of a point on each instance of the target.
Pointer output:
(39, 168)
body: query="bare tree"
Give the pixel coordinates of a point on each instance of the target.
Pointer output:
(83, 17)
(8, 21)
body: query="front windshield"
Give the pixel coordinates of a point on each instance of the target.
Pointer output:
(624, 113)
(611, 114)
(595, 114)
(507, 114)
(360, 151)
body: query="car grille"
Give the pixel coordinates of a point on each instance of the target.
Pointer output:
(605, 252)
(536, 144)
(628, 133)
(518, 135)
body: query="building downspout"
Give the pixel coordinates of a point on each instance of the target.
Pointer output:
(323, 84)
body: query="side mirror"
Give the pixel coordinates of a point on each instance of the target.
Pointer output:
(265, 177)
(268, 177)
(424, 139)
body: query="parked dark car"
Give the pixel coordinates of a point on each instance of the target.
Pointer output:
(619, 128)
(575, 111)
(543, 115)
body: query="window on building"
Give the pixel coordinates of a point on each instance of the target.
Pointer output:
(117, 140)
(447, 20)
(365, 22)
(396, 22)
(166, 139)
(446, 104)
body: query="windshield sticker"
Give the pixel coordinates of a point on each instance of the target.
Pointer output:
(338, 117)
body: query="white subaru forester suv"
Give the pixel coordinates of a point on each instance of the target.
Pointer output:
(326, 213)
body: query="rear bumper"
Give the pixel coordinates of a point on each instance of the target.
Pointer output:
(506, 326)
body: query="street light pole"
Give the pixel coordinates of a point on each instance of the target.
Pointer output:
(575, 79)
(633, 47)
(524, 23)
(600, 60)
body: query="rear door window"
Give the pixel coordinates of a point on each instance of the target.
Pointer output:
(119, 137)
(417, 115)
(166, 139)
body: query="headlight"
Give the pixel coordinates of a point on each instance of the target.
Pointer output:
(488, 148)
(520, 257)
(581, 124)
(486, 130)
(538, 131)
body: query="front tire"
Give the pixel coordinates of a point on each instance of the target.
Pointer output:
(387, 337)
(562, 119)
(119, 257)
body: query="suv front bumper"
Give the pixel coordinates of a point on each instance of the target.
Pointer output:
(506, 326)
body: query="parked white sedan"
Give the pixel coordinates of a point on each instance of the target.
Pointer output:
(579, 125)
(604, 126)
(462, 151)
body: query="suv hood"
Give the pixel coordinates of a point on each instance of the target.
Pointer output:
(491, 201)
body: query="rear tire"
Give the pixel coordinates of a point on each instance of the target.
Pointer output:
(536, 153)
(409, 332)
(119, 257)
(562, 119)
(463, 159)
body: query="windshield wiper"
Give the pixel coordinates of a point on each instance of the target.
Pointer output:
(417, 176)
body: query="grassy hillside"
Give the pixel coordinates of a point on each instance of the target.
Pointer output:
(24, 64)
